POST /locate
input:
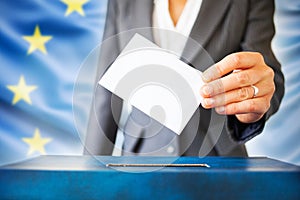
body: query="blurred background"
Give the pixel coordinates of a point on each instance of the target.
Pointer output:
(281, 136)
(43, 46)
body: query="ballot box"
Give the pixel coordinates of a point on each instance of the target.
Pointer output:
(87, 177)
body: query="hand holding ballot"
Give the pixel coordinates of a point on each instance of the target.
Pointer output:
(245, 92)
(241, 84)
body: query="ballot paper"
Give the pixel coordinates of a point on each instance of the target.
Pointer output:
(155, 81)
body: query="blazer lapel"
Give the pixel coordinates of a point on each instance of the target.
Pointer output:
(141, 21)
(210, 15)
(143, 10)
(140, 18)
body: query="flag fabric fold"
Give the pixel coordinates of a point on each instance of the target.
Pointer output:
(42, 47)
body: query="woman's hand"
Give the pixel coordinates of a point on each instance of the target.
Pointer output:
(241, 84)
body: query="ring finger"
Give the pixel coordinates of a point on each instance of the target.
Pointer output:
(230, 82)
(236, 95)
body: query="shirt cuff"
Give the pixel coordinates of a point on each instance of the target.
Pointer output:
(242, 132)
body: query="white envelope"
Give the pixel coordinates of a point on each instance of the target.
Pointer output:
(156, 82)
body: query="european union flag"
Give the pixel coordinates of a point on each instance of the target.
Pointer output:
(42, 45)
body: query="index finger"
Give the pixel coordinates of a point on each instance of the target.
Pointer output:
(235, 61)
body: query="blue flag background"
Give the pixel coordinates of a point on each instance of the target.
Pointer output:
(42, 45)
(281, 136)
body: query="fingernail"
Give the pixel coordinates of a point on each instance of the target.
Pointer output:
(207, 90)
(220, 110)
(209, 101)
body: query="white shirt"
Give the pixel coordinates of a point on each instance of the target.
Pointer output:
(165, 39)
(162, 21)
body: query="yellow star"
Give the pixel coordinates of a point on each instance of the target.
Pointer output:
(37, 41)
(36, 143)
(74, 5)
(21, 91)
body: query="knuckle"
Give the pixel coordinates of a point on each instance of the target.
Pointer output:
(272, 88)
(259, 56)
(267, 106)
(219, 69)
(264, 107)
(270, 73)
(243, 78)
(236, 59)
(219, 86)
(243, 93)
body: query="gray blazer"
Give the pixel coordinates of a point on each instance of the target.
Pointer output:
(222, 27)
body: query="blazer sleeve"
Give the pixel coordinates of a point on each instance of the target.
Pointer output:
(258, 36)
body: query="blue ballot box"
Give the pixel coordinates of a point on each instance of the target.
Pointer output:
(85, 177)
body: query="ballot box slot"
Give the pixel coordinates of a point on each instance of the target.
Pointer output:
(155, 165)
